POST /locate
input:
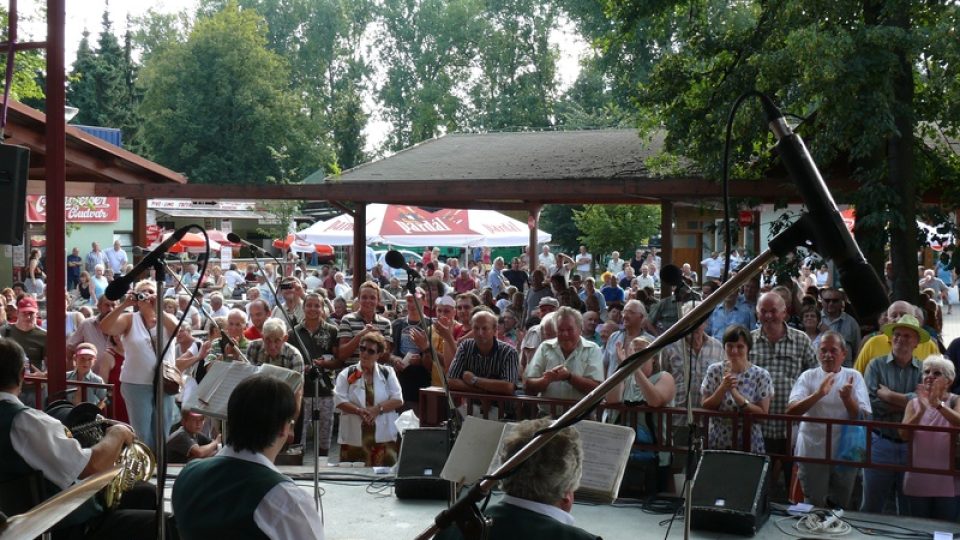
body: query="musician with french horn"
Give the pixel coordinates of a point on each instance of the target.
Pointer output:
(35, 444)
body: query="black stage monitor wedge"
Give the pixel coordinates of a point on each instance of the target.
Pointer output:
(423, 453)
(14, 169)
(730, 492)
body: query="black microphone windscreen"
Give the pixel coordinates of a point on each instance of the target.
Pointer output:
(671, 274)
(233, 237)
(394, 259)
(864, 289)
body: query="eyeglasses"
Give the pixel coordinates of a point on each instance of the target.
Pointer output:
(831, 300)
(932, 373)
(369, 350)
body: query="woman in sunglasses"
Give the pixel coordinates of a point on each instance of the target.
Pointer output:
(932, 495)
(367, 395)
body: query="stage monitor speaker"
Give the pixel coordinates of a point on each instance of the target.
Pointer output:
(423, 453)
(14, 169)
(730, 492)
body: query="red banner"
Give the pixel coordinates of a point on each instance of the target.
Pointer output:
(78, 209)
(413, 220)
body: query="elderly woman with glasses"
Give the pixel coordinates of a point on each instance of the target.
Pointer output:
(367, 395)
(935, 496)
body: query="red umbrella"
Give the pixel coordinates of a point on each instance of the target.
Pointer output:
(220, 237)
(292, 243)
(191, 242)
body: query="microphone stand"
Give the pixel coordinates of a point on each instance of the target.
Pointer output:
(466, 505)
(453, 418)
(322, 373)
(223, 333)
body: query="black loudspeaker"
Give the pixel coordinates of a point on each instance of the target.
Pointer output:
(423, 453)
(14, 169)
(730, 492)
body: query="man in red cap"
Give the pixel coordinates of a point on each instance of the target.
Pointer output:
(33, 339)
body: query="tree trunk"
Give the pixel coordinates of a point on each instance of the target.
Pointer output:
(900, 164)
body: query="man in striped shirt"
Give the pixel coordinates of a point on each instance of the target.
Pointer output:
(483, 363)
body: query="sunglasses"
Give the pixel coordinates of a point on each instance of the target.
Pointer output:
(369, 350)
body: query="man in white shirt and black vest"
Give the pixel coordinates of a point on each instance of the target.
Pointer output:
(239, 493)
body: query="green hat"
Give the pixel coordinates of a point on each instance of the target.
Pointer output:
(906, 321)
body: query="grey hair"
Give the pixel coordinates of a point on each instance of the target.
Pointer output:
(639, 304)
(274, 327)
(569, 312)
(946, 366)
(554, 472)
(835, 335)
(549, 321)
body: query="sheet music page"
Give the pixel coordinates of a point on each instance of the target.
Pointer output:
(474, 450)
(606, 448)
(292, 378)
(214, 391)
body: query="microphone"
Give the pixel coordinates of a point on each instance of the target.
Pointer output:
(822, 223)
(671, 274)
(120, 285)
(395, 259)
(235, 238)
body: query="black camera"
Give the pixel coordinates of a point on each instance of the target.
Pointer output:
(286, 286)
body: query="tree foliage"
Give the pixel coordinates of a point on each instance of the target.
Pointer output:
(219, 107)
(102, 82)
(866, 77)
(557, 219)
(28, 69)
(616, 227)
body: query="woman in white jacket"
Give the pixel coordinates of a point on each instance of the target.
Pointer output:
(368, 395)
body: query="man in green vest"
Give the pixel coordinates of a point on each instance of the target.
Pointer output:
(36, 448)
(239, 493)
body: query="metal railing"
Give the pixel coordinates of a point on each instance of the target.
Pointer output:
(433, 411)
(39, 386)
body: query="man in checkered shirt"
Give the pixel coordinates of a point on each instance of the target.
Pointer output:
(786, 353)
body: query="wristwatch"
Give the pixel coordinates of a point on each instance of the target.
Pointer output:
(475, 381)
(379, 409)
(941, 405)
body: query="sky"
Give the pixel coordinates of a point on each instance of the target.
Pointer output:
(86, 15)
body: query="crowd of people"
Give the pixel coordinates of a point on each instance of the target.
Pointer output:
(555, 331)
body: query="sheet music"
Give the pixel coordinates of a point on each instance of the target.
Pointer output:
(474, 450)
(606, 448)
(226, 376)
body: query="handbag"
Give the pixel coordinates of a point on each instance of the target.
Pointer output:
(170, 376)
(172, 379)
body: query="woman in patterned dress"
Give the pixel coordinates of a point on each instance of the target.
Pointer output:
(736, 385)
(367, 396)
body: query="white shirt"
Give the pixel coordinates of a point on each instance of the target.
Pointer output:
(286, 511)
(233, 278)
(548, 510)
(585, 361)
(713, 266)
(646, 281)
(548, 261)
(615, 266)
(43, 444)
(117, 259)
(583, 263)
(813, 436)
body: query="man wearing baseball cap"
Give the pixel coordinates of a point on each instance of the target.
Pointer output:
(83, 359)
(891, 381)
(33, 339)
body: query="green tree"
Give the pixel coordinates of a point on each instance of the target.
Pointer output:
(427, 48)
(101, 82)
(29, 67)
(557, 219)
(867, 77)
(616, 227)
(517, 86)
(218, 106)
(322, 41)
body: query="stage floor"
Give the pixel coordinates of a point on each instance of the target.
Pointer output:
(360, 505)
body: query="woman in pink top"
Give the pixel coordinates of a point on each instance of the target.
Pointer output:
(932, 495)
